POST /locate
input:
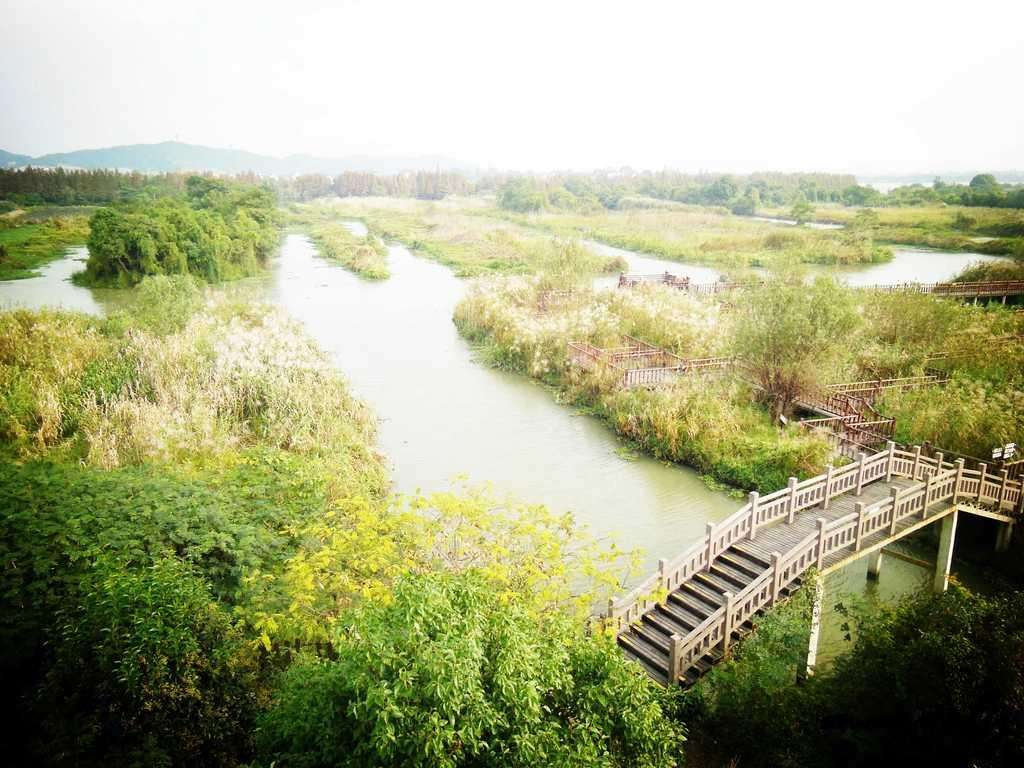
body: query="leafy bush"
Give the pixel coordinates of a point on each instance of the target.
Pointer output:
(450, 675)
(148, 670)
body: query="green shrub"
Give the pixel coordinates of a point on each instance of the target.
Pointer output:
(148, 670)
(450, 675)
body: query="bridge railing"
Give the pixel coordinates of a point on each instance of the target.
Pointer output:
(937, 481)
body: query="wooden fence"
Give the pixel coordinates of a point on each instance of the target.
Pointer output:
(937, 481)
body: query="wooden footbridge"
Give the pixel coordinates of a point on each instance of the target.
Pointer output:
(682, 619)
(636, 363)
(989, 289)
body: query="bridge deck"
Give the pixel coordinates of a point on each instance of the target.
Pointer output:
(680, 621)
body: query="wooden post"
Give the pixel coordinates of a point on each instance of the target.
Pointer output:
(828, 485)
(727, 632)
(753, 514)
(927, 493)
(890, 463)
(938, 461)
(861, 458)
(821, 542)
(1002, 490)
(1004, 536)
(959, 479)
(894, 497)
(947, 539)
(709, 529)
(812, 645)
(917, 462)
(675, 644)
(875, 565)
(776, 576)
(662, 565)
(858, 508)
(982, 467)
(791, 505)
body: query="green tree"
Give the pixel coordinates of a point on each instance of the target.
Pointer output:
(790, 334)
(984, 182)
(802, 211)
(449, 674)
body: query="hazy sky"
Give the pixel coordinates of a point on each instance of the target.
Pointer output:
(858, 86)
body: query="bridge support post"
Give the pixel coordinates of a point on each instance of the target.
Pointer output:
(675, 644)
(947, 538)
(1004, 536)
(875, 565)
(812, 644)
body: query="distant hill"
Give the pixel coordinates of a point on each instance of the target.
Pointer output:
(177, 156)
(8, 159)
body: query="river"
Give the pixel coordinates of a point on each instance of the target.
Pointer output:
(444, 416)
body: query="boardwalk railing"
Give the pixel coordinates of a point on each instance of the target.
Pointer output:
(937, 482)
(638, 363)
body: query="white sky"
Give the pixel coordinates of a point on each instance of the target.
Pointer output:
(868, 87)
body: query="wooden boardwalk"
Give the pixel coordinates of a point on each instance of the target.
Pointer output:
(681, 620)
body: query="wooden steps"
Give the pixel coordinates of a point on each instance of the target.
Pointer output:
(684, 609)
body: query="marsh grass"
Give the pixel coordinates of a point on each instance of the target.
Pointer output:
(366, 256)
(24, 247)
(705, 235)
(452, 233)
(708, 423)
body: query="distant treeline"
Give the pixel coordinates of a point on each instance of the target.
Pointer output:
(60, 186)
(425, 185)
(742, 195)
(214, 230)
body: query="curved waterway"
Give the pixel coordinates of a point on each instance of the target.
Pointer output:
(444, 416)
(53, 288)
(908, 265)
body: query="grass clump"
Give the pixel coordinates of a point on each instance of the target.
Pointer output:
(366, 256)
(709, 423)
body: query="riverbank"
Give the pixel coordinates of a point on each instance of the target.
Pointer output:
(991, 231)
(24, 247)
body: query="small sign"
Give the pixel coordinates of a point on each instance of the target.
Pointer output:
(1004, 452)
